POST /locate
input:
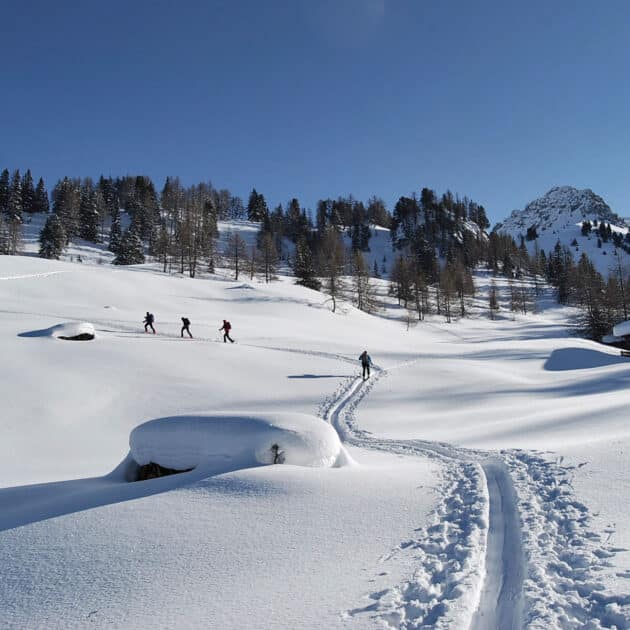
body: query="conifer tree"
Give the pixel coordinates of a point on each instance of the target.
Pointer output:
(377, 212)
(14, 214)
(66, 204)
(52, 238)
(115, 231)
(89, 219)
(15, 207)
(4, 190)
(256, 206)
(28, 193)
(304, 267)
(40, 201)
(293, 217)
(131, 251)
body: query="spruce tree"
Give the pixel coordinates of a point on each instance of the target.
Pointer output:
(115, 232)
(14, 214)
(4, 190)
(131, 251)
(66, 204)
(14, 209)
(40, 202)
(303, 266)
(294, 220)
(28, 193)
(52, 238)
(256, 206)
(88, 213)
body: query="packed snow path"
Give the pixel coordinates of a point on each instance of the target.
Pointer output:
(500, 605)
(469, 569)
(447, 559)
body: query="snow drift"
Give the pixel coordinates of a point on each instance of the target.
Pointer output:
(247, 440)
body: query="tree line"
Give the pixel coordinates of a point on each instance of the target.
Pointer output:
(438, 241)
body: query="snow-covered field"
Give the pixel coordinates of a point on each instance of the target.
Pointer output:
(482, 479)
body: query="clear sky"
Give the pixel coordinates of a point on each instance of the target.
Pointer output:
(495, 99)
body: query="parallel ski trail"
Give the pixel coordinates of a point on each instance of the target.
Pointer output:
(510, 545)
(500, 604)
(448, 556)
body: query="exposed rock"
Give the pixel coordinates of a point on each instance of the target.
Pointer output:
(153, 471)
(80, 337)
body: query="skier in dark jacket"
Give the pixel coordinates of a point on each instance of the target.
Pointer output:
(148, 322)
(226, 331)
(186, 324)
(366, 362)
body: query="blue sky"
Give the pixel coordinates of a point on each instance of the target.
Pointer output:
(497, 100)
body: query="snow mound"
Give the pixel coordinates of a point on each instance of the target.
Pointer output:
(72, 330)
(245, 440)
(622, 329)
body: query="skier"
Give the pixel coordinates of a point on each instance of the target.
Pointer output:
(226, 331)
(366, 362)
(148, 322)
(186, 324)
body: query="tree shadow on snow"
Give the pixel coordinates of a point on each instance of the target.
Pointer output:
(580, 359)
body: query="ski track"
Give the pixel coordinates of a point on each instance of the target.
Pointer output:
(27, 276)
(508, 547)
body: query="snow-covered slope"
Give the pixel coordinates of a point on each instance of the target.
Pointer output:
(558, 216)
(79, 250)
(464, 437)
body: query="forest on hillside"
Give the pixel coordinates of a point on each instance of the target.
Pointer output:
(438, 240)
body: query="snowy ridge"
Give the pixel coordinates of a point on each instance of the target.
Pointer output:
(564, 555)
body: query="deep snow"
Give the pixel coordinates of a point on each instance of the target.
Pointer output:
(467, 436)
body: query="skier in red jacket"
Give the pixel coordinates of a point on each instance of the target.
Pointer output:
(226, 331)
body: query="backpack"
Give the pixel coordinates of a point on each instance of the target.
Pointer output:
(227, 326)
(185, 321)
